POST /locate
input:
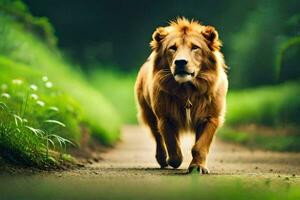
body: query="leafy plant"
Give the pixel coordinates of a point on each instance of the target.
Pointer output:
(20, 140)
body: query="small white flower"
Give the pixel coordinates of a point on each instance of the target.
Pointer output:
(4, 87)
(5, 95)
(54, 108)
(49, 84)
(40, 103)
(45, 78)
(34, 96)
(17, 81)
(33, 87)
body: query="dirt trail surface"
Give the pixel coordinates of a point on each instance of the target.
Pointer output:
(134, 155)
(130, 171)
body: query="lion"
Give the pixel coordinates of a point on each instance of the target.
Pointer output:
(182, 87)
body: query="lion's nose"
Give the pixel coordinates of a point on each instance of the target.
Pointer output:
(181, 63)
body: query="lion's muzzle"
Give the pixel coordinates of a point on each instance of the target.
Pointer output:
(182, 73)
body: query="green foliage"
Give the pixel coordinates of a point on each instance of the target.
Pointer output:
(260, 140)
(252, 32)
(282, 49)
(272, 106)
(117, 87)
(252, 53)
(268, 105)
(45, 101)
(20, 45)
(40, 26)
(35, 119)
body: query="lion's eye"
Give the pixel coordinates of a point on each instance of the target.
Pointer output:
(173, 47)
(195, 47)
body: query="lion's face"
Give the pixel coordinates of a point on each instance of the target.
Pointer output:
(186, 48)
(183, 55)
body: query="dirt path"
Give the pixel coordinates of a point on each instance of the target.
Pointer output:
(130, 171)
(134, 156)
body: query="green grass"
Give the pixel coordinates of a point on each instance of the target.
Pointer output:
(34, 124)
(274, 105)
(56, 117)
(118, 88)
(162, 187)
(257, 139)
(32, 89)
(23, 47)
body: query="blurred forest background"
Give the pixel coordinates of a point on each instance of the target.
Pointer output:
(92, 51)
(116, 33)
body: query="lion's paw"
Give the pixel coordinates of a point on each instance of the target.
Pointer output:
(175, 161)
(162, 161)
(196, 168)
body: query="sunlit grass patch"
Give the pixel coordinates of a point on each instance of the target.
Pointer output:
(32, 129)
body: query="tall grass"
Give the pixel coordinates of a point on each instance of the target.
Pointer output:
(32, 123)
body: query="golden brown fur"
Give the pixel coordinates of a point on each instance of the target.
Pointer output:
(163, 96)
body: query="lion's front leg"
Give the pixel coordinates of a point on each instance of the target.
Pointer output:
(202, 145)
(169, 130)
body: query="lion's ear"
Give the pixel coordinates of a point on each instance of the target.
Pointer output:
(159, 34)
(212, 37)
